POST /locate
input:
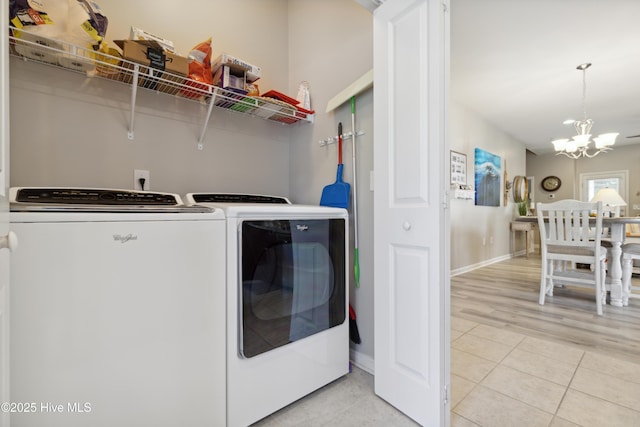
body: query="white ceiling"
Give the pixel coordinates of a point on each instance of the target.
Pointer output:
(514, 63)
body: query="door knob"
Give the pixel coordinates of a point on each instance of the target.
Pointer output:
(10, 241)
(406, 226)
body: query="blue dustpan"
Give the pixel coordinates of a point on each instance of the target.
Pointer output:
(337, 195)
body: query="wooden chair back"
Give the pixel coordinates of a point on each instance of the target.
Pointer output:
(566, 224)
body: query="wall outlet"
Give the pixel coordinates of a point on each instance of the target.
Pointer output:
(491, 240)
(484, 241)
(139, 174)
(636, 207)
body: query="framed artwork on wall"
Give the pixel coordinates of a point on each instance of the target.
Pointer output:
(458, 168)
(487, 178)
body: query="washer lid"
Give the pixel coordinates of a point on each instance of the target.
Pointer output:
(95, 200)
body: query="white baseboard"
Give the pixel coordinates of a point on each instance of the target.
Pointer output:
(468, 268)
(362, 361)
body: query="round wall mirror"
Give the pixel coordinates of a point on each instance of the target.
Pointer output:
(520, 189)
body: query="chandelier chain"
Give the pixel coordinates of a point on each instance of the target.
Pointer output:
(578, 146)
(584, 93)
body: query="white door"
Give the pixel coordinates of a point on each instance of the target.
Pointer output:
(411, 214)
(4, 211)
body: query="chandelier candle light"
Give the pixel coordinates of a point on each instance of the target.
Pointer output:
(577, 146)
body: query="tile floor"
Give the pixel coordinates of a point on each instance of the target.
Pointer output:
(501, 378)
(347, 402)
(498, 378)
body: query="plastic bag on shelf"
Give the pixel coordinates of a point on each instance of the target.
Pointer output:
(44, 22)
(54, 29)
(86, 24)
(43, 17)
(199, 70)
(77, 22)
(86, 28)
(303, 95)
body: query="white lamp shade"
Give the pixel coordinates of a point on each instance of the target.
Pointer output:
(608, 196)
(559, 144)
(571, 147)
(582, 140)
(606, 139)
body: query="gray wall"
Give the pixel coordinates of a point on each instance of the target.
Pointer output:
(331, 45)
(68, 130)
(471, 224)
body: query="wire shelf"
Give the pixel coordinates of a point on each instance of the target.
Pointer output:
(34, 47)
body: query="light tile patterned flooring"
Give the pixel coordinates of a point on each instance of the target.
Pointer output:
(347, 402)
(502, 378)
(498, 379)
(586, 374)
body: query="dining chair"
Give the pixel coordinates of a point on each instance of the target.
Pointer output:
(567, 239)
(630, 253)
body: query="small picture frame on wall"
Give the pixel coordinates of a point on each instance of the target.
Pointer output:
(458, 168)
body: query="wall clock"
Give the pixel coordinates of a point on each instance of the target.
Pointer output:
(551, 183)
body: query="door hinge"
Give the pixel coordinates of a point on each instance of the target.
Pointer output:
(446, 395)
(445, 6)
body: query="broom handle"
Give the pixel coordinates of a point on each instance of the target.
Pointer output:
(340, 143)
(356, 256)
(353, 157)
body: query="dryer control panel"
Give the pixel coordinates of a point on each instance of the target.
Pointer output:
(237, 198)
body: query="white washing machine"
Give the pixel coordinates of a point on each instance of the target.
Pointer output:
(117, 310)
(287, 300)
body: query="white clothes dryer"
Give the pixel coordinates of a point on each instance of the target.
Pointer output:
(287, 301)
(117, 310)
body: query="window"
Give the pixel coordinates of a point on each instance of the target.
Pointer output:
(591, 182)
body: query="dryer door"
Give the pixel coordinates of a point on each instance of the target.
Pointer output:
(292, 281)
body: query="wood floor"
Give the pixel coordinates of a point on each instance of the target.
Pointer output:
(505, 295)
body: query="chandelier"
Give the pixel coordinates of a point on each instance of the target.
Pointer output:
(578, 146)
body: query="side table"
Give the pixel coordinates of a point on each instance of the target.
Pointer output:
(527, 227)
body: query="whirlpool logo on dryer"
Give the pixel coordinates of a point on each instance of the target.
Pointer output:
(302, 227)
(124, 238)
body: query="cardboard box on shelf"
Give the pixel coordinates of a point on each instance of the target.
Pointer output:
(253, 72)
(138, 34)
(163, 71)
(230, 81)
(151, 53)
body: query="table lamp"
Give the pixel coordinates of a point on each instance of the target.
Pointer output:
(610, 199)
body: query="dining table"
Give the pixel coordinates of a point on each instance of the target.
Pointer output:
(617, 235)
